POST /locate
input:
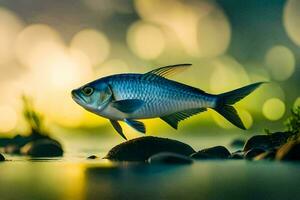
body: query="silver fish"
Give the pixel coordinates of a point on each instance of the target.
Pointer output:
(128, 97)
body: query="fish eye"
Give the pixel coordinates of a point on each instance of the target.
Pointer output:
(87, 91)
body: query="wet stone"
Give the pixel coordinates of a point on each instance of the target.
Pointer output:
(140, 149)
(267, 142)
(217, 152)
(253, 153)
(43, 148)
(169, 158)
(2, 158)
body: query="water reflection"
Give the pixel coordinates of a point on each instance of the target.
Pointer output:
(99, 179)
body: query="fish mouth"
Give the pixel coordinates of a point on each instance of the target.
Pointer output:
(77, 98)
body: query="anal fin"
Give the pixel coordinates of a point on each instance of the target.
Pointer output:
(175, 118)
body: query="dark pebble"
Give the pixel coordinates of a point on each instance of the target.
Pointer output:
(289, 151)
(237, 143)
(253, 153)
(267, 142)
(217, 152)
(43, 148)
(140, 149)
(2, 158)
(92, 157)
(237, 155)
(169, 158)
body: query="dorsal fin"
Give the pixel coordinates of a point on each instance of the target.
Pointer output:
(175, 118)
(164, 71)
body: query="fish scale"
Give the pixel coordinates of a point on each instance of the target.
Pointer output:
(161, 97)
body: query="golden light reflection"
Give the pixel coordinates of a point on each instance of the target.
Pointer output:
(10, 25)
(145, 40)
(76, 181)
(8, 118)
(92, 43)
(291, 20)
(273, 109)
(200, 26)
(281, 62)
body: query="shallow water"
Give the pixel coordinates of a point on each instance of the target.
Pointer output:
(74, 177)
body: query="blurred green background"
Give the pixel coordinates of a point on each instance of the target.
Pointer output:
(50, 47)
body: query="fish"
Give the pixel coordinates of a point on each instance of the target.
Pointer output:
(129, 97)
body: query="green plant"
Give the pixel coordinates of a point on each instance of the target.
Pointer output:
(293, 122)
(32, 117)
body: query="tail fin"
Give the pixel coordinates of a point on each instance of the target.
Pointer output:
(227, 99)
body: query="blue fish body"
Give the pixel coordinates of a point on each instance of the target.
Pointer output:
(128, 97)
(160, 96)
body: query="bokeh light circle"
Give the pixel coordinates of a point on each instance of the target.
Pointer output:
(273, 109)
(296, 103)
(281, 62)
(291, 20)
(10, 26)
(201, 27)
(246, 117)
(145, 40)
(93, 43)
(213, 33)
(228, 74)
(31, 40)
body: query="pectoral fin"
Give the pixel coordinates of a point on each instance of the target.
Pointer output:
(118, 128)
(128, 105)
(139, 126)
(175, 118)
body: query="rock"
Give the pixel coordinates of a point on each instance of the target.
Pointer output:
(140, 149)
(253, 153)
(238, 143)
(2, 158)
(169, 158)
(289, 151)
(267, 142)
(12, 149)
(217, 152)
(43, 148)
(268, 155)
(237, 155)
(92, 157)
